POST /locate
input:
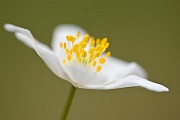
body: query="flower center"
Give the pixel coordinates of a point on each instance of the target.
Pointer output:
(87, 52)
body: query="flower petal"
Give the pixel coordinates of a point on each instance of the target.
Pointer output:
(60, 33)
(42, 50)
(85, 78)
(12, 28)
(116, 67)
(131, 81)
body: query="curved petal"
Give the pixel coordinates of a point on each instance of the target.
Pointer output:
(86, 78)
(42, 50)
(131, 81)
(133, 69)
(13, 28)
(116, 67)
(60, 33)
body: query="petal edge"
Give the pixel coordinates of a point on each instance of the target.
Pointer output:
(133, 81)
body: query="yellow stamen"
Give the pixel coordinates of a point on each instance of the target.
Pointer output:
(108, 54)
(73, 40)
(94, 63)
(91, 50)
(104, 40)
(67, 37)
(76, 48)
(86, 38)
(98, 48)
(91, 57)
(102, 60)
(92, 43)
(97, 41)
(97, 54)
(69, 57)
(71, 51)
(61, 44)
(67, 51)
(106, 45)
(78, 34)
(82, 53)
(70, 38)
(83, 44)
(98, 68)
(64, 61)
(65, 45)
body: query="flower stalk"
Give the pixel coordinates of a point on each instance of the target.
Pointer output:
(68, 104)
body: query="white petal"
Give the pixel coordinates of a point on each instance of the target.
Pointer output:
(42, 50)
(86, 78)
(131, 81)
(116, 67)
(12, 28)
(60, 33)
(133, 69)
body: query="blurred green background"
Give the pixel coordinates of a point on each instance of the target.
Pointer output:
(145, 31)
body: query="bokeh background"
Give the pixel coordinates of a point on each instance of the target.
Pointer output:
(145, 31)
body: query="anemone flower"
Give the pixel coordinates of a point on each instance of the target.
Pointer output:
(81, 60)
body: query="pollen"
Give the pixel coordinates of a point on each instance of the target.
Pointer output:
(86, 51)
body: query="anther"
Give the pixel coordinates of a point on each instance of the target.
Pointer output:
(106, 45)
(70, 38)
(98, 48)
(97, 41)
(108, 54)
(94, 63)
(102, 60)
(78, 34)
(65, 45)
(104, 40)
(91, 57)
(64, 61)
(61, 44)
(91, 50)
(67, 37)
(84, 54)
(83, 44)
(97, 54)
(86, 38)
(69, 57)
(98, 68)
(71, 51)
(76, 49)
(67, 51)
(92, 43)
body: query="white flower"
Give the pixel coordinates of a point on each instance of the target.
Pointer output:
(81, 63)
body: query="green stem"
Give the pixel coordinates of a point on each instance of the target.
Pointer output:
(68, 104)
